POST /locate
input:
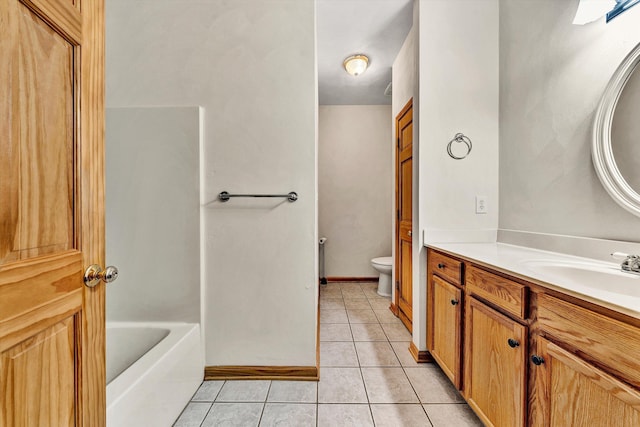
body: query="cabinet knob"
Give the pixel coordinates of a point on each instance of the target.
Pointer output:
(513, 343)
(537, 360)
(454, 302)
(440, 265)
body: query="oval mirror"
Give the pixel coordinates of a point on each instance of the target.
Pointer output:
(616, 135)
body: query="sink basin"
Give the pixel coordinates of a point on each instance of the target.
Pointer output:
(595, 276)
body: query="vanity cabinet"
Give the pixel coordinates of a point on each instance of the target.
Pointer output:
(523, 354)
(444, 309)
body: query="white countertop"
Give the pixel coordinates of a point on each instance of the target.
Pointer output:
(591, 281)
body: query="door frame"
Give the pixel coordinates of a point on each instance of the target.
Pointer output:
(92, 200)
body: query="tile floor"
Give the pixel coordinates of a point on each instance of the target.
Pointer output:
(367, 378)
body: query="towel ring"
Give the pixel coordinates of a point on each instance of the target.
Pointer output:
(463, 139)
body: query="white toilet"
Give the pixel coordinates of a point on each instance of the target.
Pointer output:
(383, 265)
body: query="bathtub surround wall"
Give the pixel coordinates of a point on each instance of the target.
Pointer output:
(459, 92)
(552, 76)
(251, 65)
(153, 213)
(354, 187)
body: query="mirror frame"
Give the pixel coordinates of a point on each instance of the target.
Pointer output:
(601, 150)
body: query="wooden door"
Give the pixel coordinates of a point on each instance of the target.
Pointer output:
(404, 179)
(444, 328)
(495, 367)
(51, 213)
(574, 393)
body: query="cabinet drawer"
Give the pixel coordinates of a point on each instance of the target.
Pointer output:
(448, 268)
(607, 342)
(508, 295)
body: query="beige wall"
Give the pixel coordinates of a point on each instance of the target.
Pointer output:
(552, 75)
(260, 271)
(354, 186)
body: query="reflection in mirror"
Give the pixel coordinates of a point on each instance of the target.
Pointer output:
(625, 132)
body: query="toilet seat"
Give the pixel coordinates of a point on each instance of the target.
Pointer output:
(385, 261)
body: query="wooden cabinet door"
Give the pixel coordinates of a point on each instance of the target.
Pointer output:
(572, 393)
(495, 366)
(404, 208)
(51, 212)
(444, 329)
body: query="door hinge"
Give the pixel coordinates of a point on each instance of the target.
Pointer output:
(398, 141)
(397, 213)
(397, 285)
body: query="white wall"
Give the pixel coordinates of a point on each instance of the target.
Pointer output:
(251, 65)
(153, 213)
(552, 77)
(405, 76)
(458, 93)
(354, 187)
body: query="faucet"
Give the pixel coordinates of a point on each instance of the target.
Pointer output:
(631, 263)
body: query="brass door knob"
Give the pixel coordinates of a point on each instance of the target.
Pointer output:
(94, 274)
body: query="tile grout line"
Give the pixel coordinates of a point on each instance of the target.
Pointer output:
(207, 414)
(364, 384)
(212, 402)
(264, 404)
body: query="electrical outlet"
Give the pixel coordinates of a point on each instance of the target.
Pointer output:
(482, 206)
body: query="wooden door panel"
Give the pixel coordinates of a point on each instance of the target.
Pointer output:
(405, 126)
(406, 299)
(38, 184)
(54, 290)
(406, 176)
(407, 133)
(404, 207)
(51, 226)
(38, 376)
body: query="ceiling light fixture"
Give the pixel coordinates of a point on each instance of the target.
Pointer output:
(356, 64)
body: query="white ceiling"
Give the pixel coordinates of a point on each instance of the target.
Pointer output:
(376, 28)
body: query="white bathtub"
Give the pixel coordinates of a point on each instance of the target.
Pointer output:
(153, 369)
